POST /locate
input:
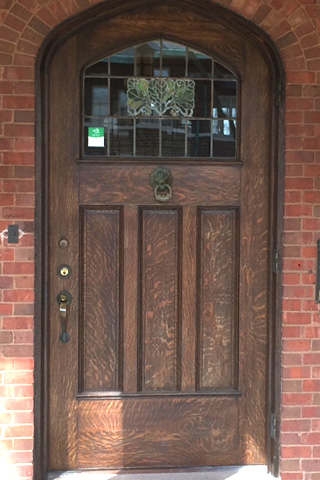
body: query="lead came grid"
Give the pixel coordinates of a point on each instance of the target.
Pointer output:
(209, 130)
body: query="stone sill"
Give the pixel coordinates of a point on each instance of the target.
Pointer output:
(256, 472)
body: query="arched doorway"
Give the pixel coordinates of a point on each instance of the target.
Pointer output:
(160, 315)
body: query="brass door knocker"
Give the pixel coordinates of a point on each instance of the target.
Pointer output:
(161, 181)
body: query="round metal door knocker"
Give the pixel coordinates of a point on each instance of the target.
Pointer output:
(161, 181)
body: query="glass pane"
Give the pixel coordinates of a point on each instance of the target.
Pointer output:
(96, 97)
(202, 99)
(222, 72)
(95, 136)
(173, 138)
(99, 68)
(199, 65)
(118, 96)
(122, 63)
(147, 137)
(225, 102)
(199, 138)
(121, 137)
(148, 59)
(224, 138)
(173, 59)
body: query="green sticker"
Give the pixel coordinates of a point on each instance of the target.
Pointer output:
(96, 137)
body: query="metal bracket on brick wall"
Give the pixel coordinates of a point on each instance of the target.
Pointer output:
(317, 299)
(12, 234)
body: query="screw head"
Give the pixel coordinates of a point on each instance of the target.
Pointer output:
(63, 243)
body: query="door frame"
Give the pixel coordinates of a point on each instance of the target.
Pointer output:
(264, 43)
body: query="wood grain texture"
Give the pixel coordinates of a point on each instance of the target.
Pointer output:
(218, 287)
(192, 185)
(160, 309)
(64, 222)
(130, 300)
(101, 318)
(158, 432)
(255, 261)
(189, 295)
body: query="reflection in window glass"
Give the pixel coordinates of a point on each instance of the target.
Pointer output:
(174, 59)
(199, 138)
(96, 97)
(147, 137)
(122, 63)
(160, 99)
(173, 137)
(121, 137)
(199, 65)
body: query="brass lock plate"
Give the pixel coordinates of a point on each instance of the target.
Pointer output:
(64, 271)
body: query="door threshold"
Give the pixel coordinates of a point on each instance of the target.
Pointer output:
(252, 472)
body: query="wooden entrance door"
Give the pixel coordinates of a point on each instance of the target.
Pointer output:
(166, 365)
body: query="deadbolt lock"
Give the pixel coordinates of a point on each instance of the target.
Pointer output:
(64, 271)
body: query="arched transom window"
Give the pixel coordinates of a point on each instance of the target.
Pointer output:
(159, 99)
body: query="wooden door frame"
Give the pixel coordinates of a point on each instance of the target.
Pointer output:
(264, 43)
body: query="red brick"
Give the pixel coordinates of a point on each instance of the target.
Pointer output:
(22, 102)
(14, 323)
(292, 476)
(21, 444)
(311, 386)
(14, 22)
(291, 332)
(5, 337)
(305, 28)
(299, 183)
(16, 431)
(21, 158)
(301, 77)
(310, 465)
(296, 452)
(293, 197)
(296, 372)
(19, 73)
(296, 345)
(310, 412)
(293, 305)
(17, 350)
(16, 130)
(300, 157)
(299, 210)
(19, 186)
(11, 268)
(24, 144)
(297, 399)
(18, 404)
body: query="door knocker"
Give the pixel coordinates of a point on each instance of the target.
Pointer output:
(161, 181)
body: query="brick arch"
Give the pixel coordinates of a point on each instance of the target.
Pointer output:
(290, 24)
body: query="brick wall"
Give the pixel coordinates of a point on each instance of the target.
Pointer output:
(294, 27)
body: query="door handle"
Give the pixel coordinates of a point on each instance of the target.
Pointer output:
(64, 299)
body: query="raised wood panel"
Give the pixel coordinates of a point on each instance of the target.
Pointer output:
(218, 311)
(158, 432)
(130, 185)
(159, 297)
(101, 322)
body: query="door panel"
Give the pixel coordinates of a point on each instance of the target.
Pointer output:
(167, 359)
(169, 431)
(218, 312)
(102, 299)
(159, 299)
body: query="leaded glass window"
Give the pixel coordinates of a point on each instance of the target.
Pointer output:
(159, 99)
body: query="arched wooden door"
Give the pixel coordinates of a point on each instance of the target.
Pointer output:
(166, 362)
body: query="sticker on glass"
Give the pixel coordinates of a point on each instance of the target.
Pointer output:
(96, 137)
